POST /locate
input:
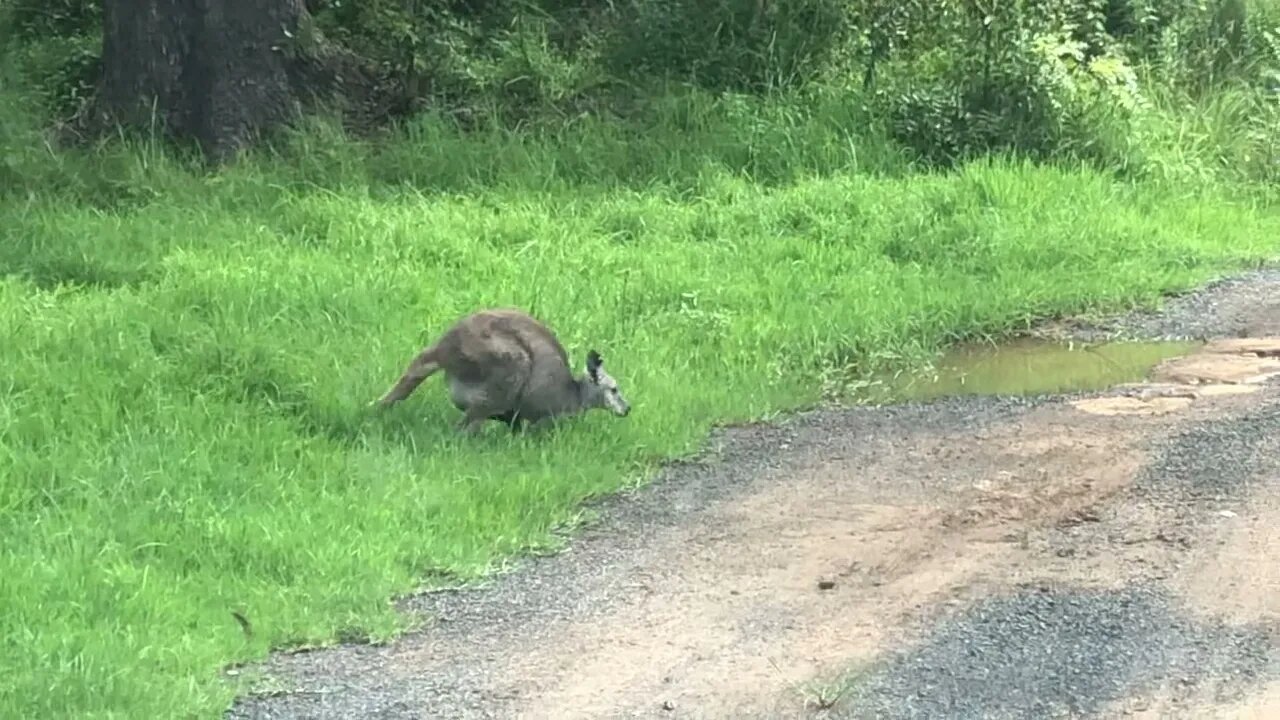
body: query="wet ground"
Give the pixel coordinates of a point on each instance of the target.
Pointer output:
(1032, 366)
(1109, 551)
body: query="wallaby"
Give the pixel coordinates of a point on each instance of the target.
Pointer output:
(502, 364)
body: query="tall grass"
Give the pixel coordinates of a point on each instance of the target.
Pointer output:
(188, 356)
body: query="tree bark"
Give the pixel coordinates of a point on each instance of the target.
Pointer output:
(222, 72)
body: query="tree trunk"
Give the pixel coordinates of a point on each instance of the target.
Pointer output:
(220, 72)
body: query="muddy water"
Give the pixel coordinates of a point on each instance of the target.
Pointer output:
(1030, 367)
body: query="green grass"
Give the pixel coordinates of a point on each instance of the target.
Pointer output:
(187, 359)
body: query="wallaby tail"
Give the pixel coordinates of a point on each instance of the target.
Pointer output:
(420, 369)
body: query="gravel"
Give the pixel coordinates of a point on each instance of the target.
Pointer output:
(1046, 653)
(1218, 461)
(1244, 304)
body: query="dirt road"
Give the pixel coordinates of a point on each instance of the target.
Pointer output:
(1115, 554)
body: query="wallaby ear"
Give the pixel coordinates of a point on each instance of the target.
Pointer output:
(594, 361)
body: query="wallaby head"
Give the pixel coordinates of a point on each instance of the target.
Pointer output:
(600, 390)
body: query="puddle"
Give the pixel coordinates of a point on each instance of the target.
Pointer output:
(1030, 366)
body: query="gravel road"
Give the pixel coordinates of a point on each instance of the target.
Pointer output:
(1053, 649)
(967, 558)
(1235, 306)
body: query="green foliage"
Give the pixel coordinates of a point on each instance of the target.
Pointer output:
(552, 55)
(1034, 93)
(1201, 44)
(61, 72)
(430, 45)
(41, 19)
(53, 50)
(1233, 134)
(952, 79)
(752, 45)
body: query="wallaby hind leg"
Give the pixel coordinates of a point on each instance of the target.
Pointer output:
(543, 424)
(420, 369)
(512, 419)
(474, 418)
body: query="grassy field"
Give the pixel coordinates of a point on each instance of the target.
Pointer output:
(188, 358)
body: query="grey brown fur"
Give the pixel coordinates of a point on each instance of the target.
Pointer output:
(503, 364)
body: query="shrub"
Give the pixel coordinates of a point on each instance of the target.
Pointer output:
(741, 45)
(948, 78)
(1008, 84)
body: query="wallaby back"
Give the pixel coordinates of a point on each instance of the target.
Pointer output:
(503, 364)
(501, 342)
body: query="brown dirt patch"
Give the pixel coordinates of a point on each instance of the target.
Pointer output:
(1132, 405)
(1236, 574)
(740, 624)
(1174, 702)
(1256, 346)
(1235, 366)
(1237, 361)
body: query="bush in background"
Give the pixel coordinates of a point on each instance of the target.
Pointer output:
(948, 79)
